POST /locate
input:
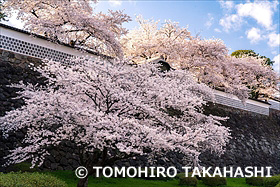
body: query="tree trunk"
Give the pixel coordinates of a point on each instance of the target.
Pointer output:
(104, 161)
(88, 162)
(83, 182)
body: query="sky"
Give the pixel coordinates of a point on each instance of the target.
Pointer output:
(244, 24)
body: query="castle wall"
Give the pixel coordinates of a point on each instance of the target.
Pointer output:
(255, 137)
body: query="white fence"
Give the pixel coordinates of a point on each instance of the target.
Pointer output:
(274, 105)
(250, 105)
(25, 44)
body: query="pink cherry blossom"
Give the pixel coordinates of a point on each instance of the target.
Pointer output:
(115, 109)
(72, 22)
(207, 59)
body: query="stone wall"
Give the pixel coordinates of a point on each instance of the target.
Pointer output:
(255, 138)
(14, 68)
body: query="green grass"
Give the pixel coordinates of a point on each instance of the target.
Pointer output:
(70, 178)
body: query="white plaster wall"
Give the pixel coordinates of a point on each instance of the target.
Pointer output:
(43, 43)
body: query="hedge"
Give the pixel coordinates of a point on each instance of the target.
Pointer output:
(214, 181)
(278, 185)
(255, 181)
(23, 167)
(17, 179)
(271, 181)
(188, 181)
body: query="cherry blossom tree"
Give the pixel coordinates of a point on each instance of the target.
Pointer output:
(260, 87)
(2, 15)
(244, 53)
(112, 111)
(150, 41)
(207, 59)
(72, 22)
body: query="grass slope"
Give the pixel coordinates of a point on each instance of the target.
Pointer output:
(70, 178)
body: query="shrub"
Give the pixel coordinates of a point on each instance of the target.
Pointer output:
(154, 178)
(23, 167)
(197, 176)
(255, 181)
(179, 175)
(142, 176)
(278, 185)
(214, 181)
(188, 181)
(29, 180)
(271, 181)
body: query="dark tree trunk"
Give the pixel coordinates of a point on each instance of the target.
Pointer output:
(89, 161)
(98, 158)
(83, 182)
